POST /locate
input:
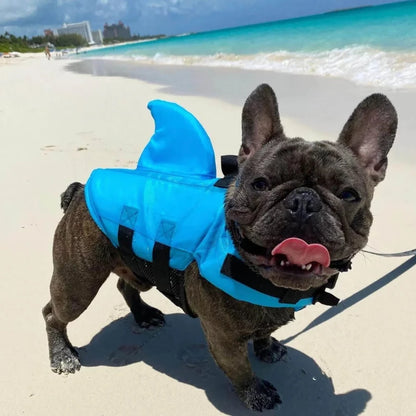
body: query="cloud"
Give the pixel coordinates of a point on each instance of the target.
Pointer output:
(157, 16)
(181, 16)
(10, 13)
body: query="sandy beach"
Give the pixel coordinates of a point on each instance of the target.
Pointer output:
(58, 122)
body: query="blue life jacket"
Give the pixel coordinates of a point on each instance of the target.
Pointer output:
(169, 212)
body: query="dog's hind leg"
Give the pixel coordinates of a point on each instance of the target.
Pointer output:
(68, 301)
(83, 259)
(145, 315)
(62, 355)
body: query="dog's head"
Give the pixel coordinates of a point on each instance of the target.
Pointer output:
(298, 209)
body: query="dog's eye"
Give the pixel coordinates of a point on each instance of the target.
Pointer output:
(350, 195)
(260, 184)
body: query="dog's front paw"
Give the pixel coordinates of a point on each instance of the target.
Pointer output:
(270, 351)
(260, 395)
(65, 361)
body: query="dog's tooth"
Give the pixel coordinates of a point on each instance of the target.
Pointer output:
(287, 263)
(308, 266)
(303, 267)
(282, 263)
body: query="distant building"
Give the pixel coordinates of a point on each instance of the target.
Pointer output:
(97, 37)
(48, 33)
(116, 31)
(82, 28)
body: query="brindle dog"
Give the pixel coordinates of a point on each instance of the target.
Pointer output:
(319, 192)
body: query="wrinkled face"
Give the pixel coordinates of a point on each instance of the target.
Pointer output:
(298, 209)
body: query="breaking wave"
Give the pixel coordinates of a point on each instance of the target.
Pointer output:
(363, 65)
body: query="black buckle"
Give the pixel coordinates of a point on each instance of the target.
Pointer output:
(229, 167)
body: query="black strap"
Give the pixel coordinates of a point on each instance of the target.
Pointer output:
(232, 267)
(325, 298)
(160, 264)
(125, 239)
(253, 248)
(160, 256)
(170, 282)
(238, 270)
(332, 281)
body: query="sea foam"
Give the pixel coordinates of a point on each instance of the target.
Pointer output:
(361, 64)
(372, 46)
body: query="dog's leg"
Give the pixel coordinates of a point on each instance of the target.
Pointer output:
(63, 356)
(232, 357)
(66, 304)
(83, 259)
(145, 315)
(269, 349)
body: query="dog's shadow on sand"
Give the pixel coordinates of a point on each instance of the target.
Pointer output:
(179, 350)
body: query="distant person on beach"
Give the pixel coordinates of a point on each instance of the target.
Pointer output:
(47, 52)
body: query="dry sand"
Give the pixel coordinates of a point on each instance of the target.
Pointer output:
(56, 126)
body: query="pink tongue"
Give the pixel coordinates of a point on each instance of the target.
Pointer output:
(299, 252)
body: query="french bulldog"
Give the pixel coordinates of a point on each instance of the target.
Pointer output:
(297, 211)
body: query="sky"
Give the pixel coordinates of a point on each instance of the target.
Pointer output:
(169, 17)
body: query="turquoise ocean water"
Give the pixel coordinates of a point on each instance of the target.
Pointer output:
(369, 46)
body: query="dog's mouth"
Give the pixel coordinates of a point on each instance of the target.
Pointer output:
(295, 256)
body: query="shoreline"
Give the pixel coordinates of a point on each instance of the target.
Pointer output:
(58, 125)
(315, 102)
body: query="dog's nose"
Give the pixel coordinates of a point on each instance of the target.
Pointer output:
(302, 203)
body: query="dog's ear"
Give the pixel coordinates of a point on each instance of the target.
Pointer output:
(260, 121)
(370, 133)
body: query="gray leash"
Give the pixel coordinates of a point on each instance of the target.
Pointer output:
(401, 254)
